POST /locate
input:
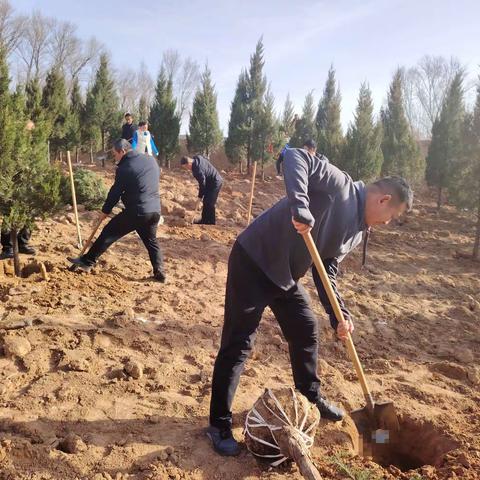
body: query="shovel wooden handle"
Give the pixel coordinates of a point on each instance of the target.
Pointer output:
(90, 238)
(312, 248)
(74, 199)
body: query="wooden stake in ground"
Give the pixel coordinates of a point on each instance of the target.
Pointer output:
(43, 271)
(74, 199)
(251, 193)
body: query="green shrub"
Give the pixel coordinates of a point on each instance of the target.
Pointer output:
(89, 189)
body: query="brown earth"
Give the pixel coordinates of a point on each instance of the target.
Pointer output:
(107, 375)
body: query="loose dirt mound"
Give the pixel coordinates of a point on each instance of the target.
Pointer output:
(107, 375)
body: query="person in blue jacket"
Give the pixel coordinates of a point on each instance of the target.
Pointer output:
(142, 141)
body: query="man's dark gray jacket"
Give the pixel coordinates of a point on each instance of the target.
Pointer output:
(136, 183)
(318, 194)
(206, 175)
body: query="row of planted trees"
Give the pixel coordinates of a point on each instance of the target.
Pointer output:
(372, 146)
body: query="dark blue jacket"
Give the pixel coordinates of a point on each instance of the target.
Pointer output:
(318, 194)
(136, 183)
(128, 131)
(206, 174)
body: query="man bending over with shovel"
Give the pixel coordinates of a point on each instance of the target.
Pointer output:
(137, 184)
(268, 259)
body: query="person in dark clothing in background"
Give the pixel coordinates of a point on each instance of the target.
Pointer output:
(209, 185)
(267, 261)
(128, 128)
(136, 184)
(23, 238)
(310, 146)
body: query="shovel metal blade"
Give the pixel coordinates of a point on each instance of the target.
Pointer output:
(375, 428)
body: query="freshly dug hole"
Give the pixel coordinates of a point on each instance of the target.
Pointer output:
(416, 444)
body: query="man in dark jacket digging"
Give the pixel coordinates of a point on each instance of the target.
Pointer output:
(267, 261)
(137, 185)
(209, 185)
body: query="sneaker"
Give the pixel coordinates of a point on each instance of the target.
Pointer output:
(223, 441)
(6, 253)
(27, 249)
(329, 411)
(80, 263)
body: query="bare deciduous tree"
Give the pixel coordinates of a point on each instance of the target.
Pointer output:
(34, 45)
(426, 85)
(12, 26)
(185, 76)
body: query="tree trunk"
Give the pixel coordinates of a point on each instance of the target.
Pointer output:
(168, 163)
(76, 155)
(91, 154)
(48, 152)
(103, 141)
(439, 199)
(476, 245)
(61, 157)
(240, 166)
(16, 255)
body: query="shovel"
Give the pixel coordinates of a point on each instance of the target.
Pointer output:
(376, 423)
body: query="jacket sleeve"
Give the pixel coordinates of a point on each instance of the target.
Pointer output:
(134, 141)
(199, 174)
(296, 171)
(115, 192)
(331, 266)
(154, 147)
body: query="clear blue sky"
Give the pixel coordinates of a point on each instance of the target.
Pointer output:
(365, 40)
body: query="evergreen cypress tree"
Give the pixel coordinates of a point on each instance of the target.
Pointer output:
(33, 94)
(329, 127)
(446, 145)
(257, 86)
(287, 124)
(164, 122)
(29, 186)
(235, 144)
(205, 133)
(401, 153)
(55, 107)
(143, 109)
(266, 127)
(363, 154)
(102, 115)
(464, 188)
(305, 126)
(74, 131)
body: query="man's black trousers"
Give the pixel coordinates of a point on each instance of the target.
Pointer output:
(23, 237)
(248, 292)
(209, 201)
(122, 224)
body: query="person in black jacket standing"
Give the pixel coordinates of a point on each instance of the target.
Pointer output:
(209, 185)
(128, 128)
(136, 184)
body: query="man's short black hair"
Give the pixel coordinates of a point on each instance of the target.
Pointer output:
(128, 114)
(142, 123)
(122, 144)
(184, 160)
(310, 144)
(398, 188)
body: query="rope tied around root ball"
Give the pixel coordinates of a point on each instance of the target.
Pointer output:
(271, 414)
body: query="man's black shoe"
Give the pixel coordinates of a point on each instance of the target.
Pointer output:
(80, 263)
(6, 253)
(329, 411)
(223, 441)
(27, 249)
(159, 277)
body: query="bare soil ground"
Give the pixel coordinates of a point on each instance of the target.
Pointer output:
(107, 375)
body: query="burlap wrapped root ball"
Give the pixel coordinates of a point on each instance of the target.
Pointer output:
(273, 410)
